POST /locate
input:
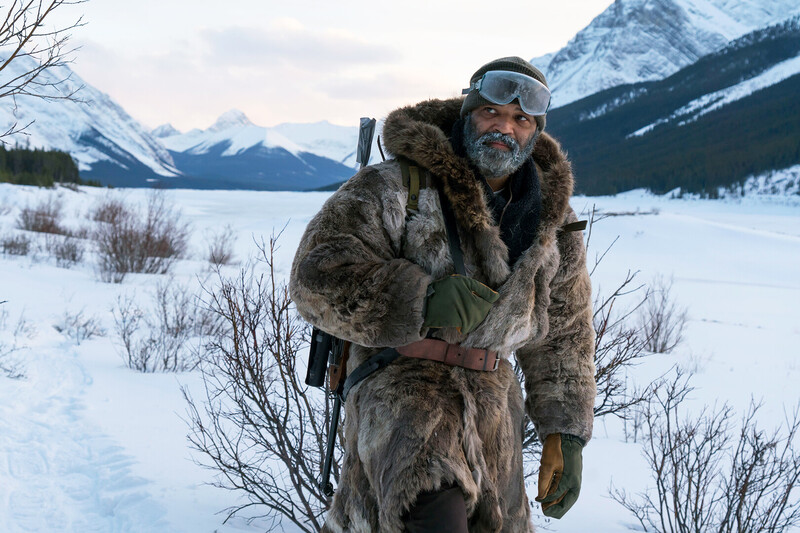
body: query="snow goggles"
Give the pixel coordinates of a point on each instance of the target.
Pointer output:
(502, 87)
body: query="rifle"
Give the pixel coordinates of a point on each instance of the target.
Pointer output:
(326, 348)
(328, 353)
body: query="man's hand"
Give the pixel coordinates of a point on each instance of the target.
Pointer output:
(560, 474)
(458, 302)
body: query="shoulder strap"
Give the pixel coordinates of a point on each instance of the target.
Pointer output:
(377, 362)
(416, 178)
(452, 234)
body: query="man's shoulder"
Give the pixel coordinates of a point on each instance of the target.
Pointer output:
(384, 176)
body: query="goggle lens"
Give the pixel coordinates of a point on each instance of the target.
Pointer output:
(502, 87)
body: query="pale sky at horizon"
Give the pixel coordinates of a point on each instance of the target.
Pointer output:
(186, 63)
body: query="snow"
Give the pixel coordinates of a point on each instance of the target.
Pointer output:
(89, 445)
(777, 182)
(165, 130)
(709, 102)
(229, 119)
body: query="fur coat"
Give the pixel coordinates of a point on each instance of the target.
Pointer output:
(361, 273)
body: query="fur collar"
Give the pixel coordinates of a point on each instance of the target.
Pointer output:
(419, 132)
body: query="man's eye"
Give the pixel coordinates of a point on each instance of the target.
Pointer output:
(523, 118)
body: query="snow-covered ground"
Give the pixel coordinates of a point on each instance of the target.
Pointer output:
(89, 445)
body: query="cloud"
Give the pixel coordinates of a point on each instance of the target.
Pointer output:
(373, 85)
(287, 42)
(189, 85)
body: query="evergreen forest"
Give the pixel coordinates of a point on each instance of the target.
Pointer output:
(44, 168)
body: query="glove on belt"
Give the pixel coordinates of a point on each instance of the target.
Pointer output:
(451, 354)
(458, 302)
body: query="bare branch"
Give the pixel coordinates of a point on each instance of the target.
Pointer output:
(708, 478)
(259, 427)
(24, 35)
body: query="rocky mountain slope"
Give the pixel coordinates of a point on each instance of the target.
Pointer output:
(646, 40)
(105, 142)
(731, 115)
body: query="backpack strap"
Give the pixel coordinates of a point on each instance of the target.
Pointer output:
(452, 234)
(415, 178)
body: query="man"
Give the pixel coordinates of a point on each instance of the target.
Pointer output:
(433, 440)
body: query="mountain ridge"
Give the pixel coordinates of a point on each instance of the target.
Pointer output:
(59, 124)
(667, 36)
(739, 117)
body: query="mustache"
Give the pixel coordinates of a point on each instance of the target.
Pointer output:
(496, 136)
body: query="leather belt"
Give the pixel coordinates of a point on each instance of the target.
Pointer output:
(451, 354)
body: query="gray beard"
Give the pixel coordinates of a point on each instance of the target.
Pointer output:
(494, 163)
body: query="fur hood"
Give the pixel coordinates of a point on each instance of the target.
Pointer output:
(420, 133)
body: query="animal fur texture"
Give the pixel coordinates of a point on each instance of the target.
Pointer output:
(361, 273)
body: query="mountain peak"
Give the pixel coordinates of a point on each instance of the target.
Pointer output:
(164, 130)
(229, 119)
(635, 40)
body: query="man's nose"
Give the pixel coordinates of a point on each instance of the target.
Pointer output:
(504, 125)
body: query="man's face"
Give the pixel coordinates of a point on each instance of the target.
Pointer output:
(499, 138)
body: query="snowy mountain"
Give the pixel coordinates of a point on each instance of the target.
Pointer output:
(105, 142)
(324, 139)
(233, 129)
(645, 40)
(112, 148)
(235, 153)
(165, 130)
(730, 116)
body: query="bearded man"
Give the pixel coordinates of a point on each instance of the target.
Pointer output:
(433, 440)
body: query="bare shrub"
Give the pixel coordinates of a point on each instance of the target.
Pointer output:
(108, 210)
(127, 319)
(159, 338)
(68, 251)
(220, 246)
(130, 242)
(258, 426)
(81, 232)
(78, 326)
(708, 478)
(662, 321)
(45, 217)
(15, 244)
(10, 365)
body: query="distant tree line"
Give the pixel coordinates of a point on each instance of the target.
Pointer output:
(44, 168)
(720, 149)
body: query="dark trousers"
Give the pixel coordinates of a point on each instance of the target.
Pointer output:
(441, 511)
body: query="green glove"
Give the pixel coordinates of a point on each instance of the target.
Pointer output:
(458, 302)
(560, 474)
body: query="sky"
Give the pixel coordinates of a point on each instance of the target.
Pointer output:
(187, 62)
